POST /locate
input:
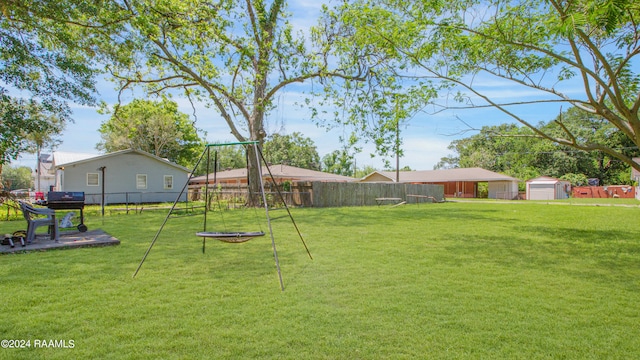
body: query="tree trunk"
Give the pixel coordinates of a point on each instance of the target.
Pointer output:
(253, 165)
(254, 161)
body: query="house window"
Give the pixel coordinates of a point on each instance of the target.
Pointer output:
(141, 181)
(93, 179)
(168, 182)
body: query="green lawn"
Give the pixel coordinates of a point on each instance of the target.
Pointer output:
(450, 280)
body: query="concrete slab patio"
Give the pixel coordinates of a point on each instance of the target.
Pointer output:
(68, 240)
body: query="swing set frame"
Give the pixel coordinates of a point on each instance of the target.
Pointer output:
(233, 237)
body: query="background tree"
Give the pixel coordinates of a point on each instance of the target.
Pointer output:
(233, 55)
(360, 173)
(293, 150)
(576, 179)
(17, 178)
(339, 162)
(158, 128)
(544, 46)
(505, 148)
(517, 151)
(594, 164)
(46, 138)
(228, 157)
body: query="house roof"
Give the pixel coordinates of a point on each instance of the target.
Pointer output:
(444, 175)
(121, 152)
(278, 171)
(60, 158)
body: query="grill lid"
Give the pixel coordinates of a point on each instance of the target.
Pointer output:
(65, 196)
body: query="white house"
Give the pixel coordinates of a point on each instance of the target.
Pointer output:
(548, 188)
(127, 176)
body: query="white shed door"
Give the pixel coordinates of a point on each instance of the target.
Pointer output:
(541, 192)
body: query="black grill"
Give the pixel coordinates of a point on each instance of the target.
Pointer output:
(64, 200)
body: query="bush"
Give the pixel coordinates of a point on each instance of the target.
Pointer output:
(575, 179)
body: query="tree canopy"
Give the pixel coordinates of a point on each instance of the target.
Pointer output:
(580, 53)
(293, 149)
(235, 56)
(17, 178)
(43, 66)
(338, 162)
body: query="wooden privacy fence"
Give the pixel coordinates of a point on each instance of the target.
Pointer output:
(235, 195)
(327, 194)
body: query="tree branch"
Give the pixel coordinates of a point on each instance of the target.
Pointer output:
(212, 90)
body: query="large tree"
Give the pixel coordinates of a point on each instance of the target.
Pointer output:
(157, 127)
(233, 55)
(43, 64)
(579, 52)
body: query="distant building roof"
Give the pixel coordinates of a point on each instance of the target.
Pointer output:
(278, 171)
(444, 175)
(60, 157)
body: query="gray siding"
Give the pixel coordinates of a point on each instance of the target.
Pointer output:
(120, 179)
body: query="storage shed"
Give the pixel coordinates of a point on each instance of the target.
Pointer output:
(548, 188)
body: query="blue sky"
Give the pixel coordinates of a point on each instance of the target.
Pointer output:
(425, 137)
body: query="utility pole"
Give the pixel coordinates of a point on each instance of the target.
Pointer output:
(397, 140)
(102, 169)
